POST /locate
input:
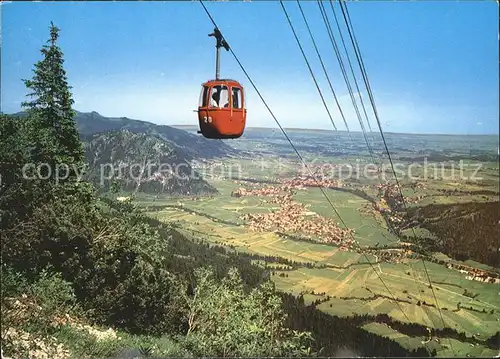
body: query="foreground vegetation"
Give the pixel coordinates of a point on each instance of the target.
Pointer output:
(71, 259)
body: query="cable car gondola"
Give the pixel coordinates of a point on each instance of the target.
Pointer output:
(221, 110)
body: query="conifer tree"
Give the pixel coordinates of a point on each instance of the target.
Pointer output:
(55, 137)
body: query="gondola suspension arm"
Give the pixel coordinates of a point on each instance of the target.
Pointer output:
(220, 43)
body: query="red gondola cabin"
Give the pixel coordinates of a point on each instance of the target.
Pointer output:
(221, 110)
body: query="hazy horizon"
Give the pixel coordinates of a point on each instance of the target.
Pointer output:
(196, 126)
(344, 131)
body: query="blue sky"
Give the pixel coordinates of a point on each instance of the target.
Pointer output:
(433, 66)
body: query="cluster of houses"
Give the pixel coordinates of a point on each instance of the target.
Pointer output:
(390, 192)
(477, 274)
(302, 182)
(293, 217)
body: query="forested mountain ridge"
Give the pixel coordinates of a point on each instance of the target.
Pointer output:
(71, 257)
(140, 162)
(192, 146)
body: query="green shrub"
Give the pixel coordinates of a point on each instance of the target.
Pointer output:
(223, 320)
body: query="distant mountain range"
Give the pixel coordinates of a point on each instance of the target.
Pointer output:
(162, 153)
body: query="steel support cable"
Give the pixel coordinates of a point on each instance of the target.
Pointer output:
(328, 78)
(324, 68)
(326, 74)
(344, 74)
(307, 167)
(326, 20)
(356, 49)
(337, 52)
(329, 82)
(350, 66)
(308, 65)
(370, 94)
(354, 42)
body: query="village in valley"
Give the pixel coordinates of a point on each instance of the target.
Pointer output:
(296, 218)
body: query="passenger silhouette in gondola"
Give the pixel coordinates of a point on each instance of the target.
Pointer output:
(214, 102)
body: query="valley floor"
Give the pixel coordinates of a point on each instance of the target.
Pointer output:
(340, 278)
